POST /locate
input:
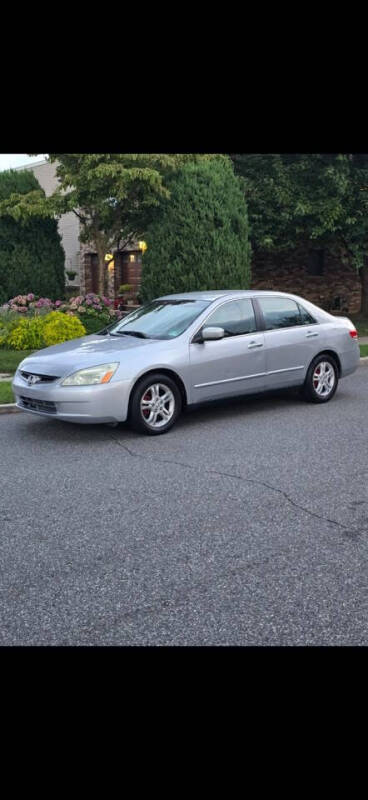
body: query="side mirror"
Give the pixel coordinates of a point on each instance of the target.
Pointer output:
(211, 333)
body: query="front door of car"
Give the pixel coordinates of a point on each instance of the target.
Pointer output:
(233, 365)
(292, 339)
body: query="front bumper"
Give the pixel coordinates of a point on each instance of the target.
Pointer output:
(84, 404)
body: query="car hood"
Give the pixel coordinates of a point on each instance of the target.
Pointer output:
(60, 359)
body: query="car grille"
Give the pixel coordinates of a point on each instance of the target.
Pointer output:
(42, 378)
(38, 405)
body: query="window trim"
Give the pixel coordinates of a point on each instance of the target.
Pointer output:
(284, 328)
(236, 335)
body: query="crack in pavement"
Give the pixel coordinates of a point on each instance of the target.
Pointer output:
(244, 480)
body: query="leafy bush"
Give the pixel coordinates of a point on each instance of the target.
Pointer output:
(42, 331)
(58, 327)
(125, 288)
(27, 334)
(95, 322)
(199, 238)
(8, 322)
(30, 251)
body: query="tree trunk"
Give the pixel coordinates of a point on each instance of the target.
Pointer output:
(363, 272)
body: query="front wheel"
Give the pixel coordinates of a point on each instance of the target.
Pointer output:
(155, 405)
(322, 378)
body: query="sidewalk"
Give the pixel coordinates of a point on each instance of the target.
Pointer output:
(363, 339)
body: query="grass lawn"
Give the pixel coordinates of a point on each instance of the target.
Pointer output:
(363, 350)
(6, 394)
(361, 324)
(9, 359)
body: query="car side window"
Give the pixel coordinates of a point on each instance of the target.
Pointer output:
(236, 318)
(306, 318)
(280, 312)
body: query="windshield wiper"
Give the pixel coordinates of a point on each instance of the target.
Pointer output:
(132, 333)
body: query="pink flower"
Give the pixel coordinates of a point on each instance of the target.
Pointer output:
(22, 308)
(30, 297)
(58, 303)
(88, 302)
(81, 310)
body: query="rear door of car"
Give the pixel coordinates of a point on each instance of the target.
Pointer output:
(292, 338)
(233, 365)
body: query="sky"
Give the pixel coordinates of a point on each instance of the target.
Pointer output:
(12, 160)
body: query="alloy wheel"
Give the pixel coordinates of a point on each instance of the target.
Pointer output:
(157, 405)
(324, 378)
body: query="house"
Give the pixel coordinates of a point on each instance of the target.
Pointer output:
(81, 258)
(313, 273)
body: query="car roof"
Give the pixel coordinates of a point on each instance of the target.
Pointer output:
(216, 293)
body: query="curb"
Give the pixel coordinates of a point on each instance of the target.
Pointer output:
(12, 408)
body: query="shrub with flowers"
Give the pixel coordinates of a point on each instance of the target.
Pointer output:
(28, 304)
(95, 310)
(92, 310)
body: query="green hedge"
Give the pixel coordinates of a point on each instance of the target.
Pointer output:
(200, 236)
(31, 254)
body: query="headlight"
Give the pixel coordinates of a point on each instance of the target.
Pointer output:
(86, 377)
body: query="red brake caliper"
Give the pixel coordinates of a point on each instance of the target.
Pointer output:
(318, 372)
(146, 411)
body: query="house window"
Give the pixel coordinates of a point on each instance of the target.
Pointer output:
(316, 262)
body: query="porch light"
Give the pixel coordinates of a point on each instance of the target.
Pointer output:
(142, 246)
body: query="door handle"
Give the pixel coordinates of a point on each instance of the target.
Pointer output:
(255, 344)
(309, 335)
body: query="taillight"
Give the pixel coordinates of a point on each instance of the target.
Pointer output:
(354, 334)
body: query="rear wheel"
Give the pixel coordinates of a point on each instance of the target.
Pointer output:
(155, 405)
(322, 378)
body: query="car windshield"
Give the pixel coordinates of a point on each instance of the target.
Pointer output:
(160, 319)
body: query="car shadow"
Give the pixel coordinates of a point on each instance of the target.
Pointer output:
(211, 411)
(61, 431)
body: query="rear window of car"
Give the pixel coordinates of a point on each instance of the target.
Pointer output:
(280, 312)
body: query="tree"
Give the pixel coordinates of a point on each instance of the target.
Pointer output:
(300, 199)
(114, 195)
(31, 255)
(199, 238)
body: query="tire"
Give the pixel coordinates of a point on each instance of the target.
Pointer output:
(147, 407)
(318, 389)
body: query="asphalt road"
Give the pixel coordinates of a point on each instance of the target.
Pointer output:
(247, 524)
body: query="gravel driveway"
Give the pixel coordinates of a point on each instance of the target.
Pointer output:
(247, 524)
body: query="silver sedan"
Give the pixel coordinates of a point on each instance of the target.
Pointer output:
(185, 349)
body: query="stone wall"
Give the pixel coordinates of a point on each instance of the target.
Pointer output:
(288, 272)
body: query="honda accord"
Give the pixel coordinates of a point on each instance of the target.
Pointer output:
(184, 349)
